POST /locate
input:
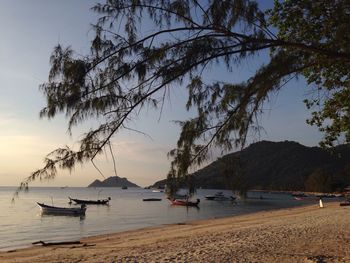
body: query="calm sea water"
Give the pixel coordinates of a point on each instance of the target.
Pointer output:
(21, 223)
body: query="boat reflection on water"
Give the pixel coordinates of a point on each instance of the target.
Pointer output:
(47, 216)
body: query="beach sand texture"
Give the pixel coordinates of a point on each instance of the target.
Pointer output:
(304, 234)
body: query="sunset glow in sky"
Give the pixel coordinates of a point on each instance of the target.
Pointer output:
(30, 30)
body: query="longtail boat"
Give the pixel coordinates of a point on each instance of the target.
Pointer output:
(219, 196)
(47, 209)
(90, 202)
(298, 198)
(151, 199)
(184, 202)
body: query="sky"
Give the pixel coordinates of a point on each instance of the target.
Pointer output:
(29, 31)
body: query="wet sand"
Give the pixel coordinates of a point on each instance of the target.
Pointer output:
(304, 234)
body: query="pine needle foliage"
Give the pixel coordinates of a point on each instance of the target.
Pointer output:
(156, 46)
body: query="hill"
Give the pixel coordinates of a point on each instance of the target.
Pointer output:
(113, 181)
(278, 166)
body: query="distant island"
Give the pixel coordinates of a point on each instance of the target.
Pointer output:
(277, 166)
(113, 181)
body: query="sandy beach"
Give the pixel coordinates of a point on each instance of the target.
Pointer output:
(305, 234)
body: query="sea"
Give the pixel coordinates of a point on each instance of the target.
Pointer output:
(22, 223)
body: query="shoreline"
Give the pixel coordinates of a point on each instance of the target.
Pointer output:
(31, 245)
(302, 234)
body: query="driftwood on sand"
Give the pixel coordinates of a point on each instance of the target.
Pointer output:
(45, 244)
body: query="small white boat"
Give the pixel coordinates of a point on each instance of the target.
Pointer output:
(157, 191)
(219, 196)
(47, 209)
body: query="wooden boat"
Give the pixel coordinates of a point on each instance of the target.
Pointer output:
(90, 202)
(346, 203)
(219, 196)
(151, 199)
(124, 187)
(184, 202)
(326, 196)
(298, 198)
(47, 209)
(299, 194)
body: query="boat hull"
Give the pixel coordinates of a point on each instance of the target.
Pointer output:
(219, 196)
(90, 202)
(46, 209)
(151, 199)
(184, 202)
(299, 195)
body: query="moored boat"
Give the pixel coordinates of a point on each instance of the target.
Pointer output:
(299, 194)
(184, 202)
(326, 196)
(90, 202)
(219, 196)
(157, 191)
(151, 199)
(47, 209)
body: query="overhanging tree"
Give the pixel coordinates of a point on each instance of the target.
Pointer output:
(129, 69)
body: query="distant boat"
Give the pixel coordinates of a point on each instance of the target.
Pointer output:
(219, 196)
(184, 202)
(124, 187)
(90, 202)
(152, 199)
(46, 209)
(299, 195)
(326, 196)
(158, 191)
(298, 198)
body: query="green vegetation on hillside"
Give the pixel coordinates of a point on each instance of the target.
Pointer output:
(277, 166)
